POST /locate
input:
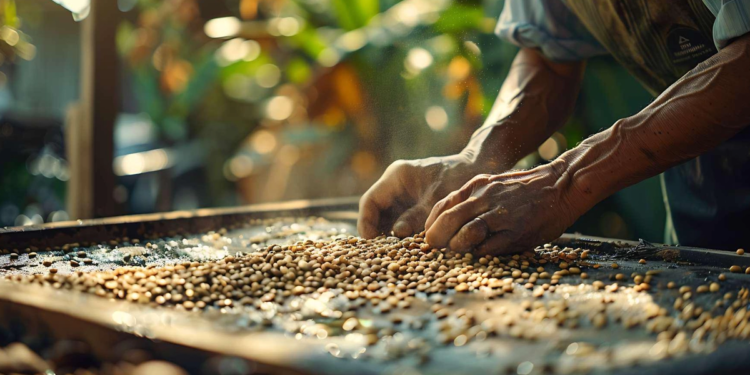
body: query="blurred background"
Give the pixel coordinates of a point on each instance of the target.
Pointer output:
(137, 106)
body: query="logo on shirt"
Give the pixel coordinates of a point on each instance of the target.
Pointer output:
(688, 47)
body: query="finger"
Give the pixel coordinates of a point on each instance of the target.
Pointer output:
(437, 209)
(374, 206)
(470, 235)
(477, 231)
(451, 220)
(369, 216)
(499, 243)
(446, 203)
(410, 222)
(455, 198)
(450, 201)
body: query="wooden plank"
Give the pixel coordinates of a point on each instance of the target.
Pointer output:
(91, 122)
(160, 224)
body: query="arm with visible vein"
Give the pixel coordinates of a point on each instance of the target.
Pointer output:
(706, 107)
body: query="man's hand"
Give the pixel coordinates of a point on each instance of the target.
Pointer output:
(535, 100)
(518, 210)
(505, 213)
(403, 197)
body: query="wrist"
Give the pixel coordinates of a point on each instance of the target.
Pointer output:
(486, 150)
(588, 173)
(602, 165)
(481, 163)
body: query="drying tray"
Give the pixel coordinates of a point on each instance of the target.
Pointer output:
(192, 340)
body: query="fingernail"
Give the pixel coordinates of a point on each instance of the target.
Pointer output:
(402, 229)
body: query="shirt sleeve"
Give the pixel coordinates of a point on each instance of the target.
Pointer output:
(732, 20)
(548, 25)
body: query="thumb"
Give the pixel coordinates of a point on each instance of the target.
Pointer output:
(411, 221)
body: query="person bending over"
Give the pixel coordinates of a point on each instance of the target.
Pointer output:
(693, 55)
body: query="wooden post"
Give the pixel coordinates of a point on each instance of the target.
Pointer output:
(90, 128)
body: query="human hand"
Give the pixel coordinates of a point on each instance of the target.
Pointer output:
(403, 197)
(505, 213)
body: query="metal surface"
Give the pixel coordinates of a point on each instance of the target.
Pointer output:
(190, 339)
(85, 232)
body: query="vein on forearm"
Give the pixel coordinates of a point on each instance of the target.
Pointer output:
(697, 113)
(536, 99)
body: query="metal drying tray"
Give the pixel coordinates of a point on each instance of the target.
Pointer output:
(47, 314)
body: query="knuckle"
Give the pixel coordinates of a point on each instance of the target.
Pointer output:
(454, 198)
(365, 201)
(398, 163)
(399, 166)
(439, 206)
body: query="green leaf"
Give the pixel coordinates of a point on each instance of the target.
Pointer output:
(11, 16)
(205, 74)
(309, 41)
(148, 94)
(245, 67)
(353, 14)
(124, 37)
(460, 17)
(298, 71)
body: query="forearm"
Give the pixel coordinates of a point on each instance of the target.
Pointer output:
(697, 113)
(536, 99)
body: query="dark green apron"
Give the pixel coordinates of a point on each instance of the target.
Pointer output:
(707, 198)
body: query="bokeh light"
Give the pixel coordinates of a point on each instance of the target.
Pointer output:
(549, 149)
(418, 59)
(288, 26)
(241, 166)
(472, 47)
(352, 40)
(268, 75)
(329, 57)
(75, 6)
(10, 35)
(237, 49)
(459, 68)
(130, 164)
(263, 141)
(552, 147)
(436, 117)
(224, 27)
(407, 13)
(279, 108)
(56, 216)
(142, 162)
